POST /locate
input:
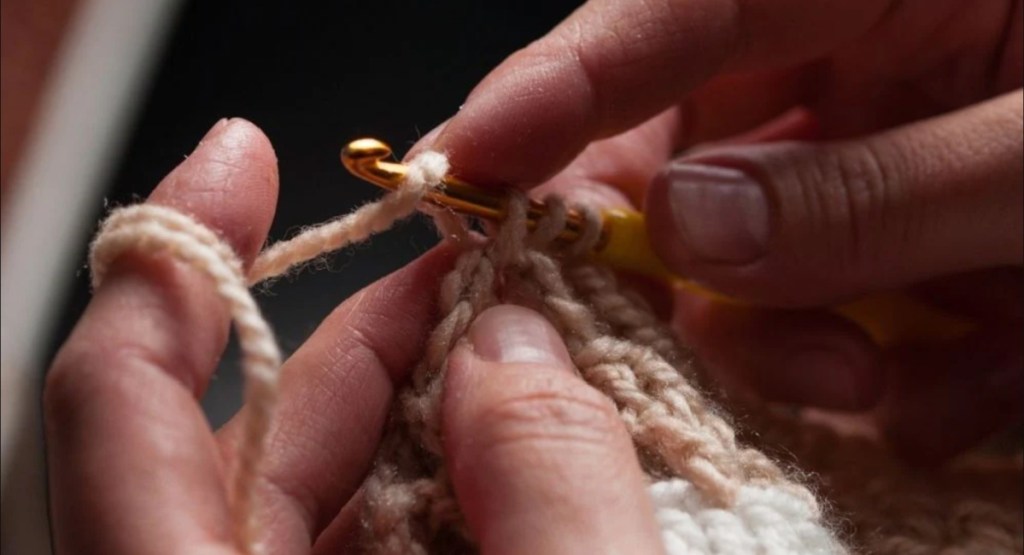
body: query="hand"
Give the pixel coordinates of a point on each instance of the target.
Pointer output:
(135, 468)
(916, 183)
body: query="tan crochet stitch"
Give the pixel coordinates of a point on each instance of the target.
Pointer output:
(713, 492)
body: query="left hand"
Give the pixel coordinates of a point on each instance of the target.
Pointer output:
(135, 468)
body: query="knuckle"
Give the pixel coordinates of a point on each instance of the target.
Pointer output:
(73, 380)
(851, 199)
(84, 375)
(549, 411)
(62, 394)
(871, 196)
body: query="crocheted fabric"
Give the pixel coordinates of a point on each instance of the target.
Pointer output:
(714, 493)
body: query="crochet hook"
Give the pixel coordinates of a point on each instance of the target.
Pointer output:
(889, 318)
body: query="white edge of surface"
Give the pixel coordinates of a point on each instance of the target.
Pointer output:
(102, 69)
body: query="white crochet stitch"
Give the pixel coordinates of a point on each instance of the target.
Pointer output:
(764, 520)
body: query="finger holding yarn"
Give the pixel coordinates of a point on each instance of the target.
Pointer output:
(128, 444)
(162, 231)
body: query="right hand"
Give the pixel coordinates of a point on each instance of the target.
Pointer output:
(918, 186)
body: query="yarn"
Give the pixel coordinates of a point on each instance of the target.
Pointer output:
(761, 520)
(713, 493)
(429, 169)
(153, 229)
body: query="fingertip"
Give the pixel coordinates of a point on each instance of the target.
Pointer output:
(513, 334)
(526, 120)
(156, 306)
(530, 446)
(500, 340)
(707, 216)
(788, 223)
(426, 142)
(229, 183)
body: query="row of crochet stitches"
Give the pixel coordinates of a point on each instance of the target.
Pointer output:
(620, 349)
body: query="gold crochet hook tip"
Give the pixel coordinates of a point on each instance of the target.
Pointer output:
(370, 159)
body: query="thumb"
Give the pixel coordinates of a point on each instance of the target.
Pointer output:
(539, 460)
(800, 224)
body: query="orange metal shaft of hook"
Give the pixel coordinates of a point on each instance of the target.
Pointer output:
(369, 159)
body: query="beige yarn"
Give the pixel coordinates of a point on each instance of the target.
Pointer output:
(700, 472)
(151, 229)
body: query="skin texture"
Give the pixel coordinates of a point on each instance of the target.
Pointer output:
(598, 108)
(515, 409)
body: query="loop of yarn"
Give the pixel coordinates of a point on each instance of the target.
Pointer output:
(152, 229)
(712, 494)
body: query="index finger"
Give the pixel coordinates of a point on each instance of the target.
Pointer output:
(613, 64)
(133, 463)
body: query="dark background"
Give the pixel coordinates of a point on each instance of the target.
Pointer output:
(314, 75)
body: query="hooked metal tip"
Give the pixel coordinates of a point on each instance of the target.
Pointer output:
(369, 160)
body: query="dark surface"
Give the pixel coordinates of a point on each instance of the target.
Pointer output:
(313, 76)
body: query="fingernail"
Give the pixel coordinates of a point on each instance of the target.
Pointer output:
(513, 334)
(720, 214)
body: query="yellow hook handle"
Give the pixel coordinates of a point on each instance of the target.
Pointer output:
(890, 318)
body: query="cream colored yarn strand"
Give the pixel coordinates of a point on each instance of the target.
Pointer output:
(153, 229)
(424, 172)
